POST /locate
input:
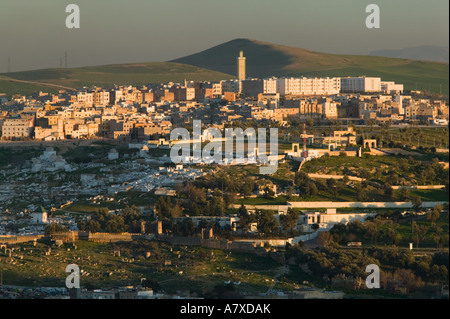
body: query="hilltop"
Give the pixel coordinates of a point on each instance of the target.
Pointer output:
(267, 59)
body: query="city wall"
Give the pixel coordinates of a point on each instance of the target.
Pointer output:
(16, 239)
(321, 205)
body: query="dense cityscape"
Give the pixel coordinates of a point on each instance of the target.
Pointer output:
(295, 185)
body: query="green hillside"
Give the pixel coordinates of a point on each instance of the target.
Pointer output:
(10, 87)
(104, 76)
(217, 63)
(266, 59)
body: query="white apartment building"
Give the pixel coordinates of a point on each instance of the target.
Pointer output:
(190, 94)
(391, 88)
(329, 110)
(360, 84)
(217, 88)
(270, 86)
(85, 98)
(302, 86)
(101, 98)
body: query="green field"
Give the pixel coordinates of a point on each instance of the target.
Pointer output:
(10, 87)
(106, 76)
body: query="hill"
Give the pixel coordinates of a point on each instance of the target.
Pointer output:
(217, 63)
(51, 80)
(422, 53)
(267, 59)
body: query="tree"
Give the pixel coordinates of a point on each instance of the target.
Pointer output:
(102, 216)
(267, 224)
(311, 189)
(388, 191)
(300, 179)
(289, 193)
(361, 195)
(407, 279)
(331, 185)
(392, 234)
(289, 221)
(439, 237)
(417, 203)
(439, 273)
(371, 228)
(420, 232)
(433, 216)
(247, 187)
(245, 219)
(392, 178)
(116, 225)
(324, 238)
(53, 229)
(268, 192)
(345, 180)
(404, 194)
(94, 226)
(364, 173)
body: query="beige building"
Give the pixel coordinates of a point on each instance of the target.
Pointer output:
(361, 84)
(17, 128)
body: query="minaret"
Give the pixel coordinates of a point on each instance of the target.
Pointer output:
(241, 66)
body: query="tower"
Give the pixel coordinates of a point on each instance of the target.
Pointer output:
(241, 66)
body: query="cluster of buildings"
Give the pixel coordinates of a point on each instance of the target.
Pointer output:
(101, 113)
(50, 181)
(401, 108)
(140, 115)
(305, 223)
(129, 112)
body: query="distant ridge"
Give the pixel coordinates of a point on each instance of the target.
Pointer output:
(421, 53)
(267, 59)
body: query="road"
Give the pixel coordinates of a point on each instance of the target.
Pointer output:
(36, 82)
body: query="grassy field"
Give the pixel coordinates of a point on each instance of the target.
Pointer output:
(437, 137)
(106, 76)
(11, 87)
(381, 165)
(192, 268)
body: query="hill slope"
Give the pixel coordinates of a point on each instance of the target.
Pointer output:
(267, 59)
(422, 53)
(106, 75)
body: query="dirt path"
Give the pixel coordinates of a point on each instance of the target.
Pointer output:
(36, 82)
(327, 176)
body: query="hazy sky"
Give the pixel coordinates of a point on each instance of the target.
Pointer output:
(34, 35)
